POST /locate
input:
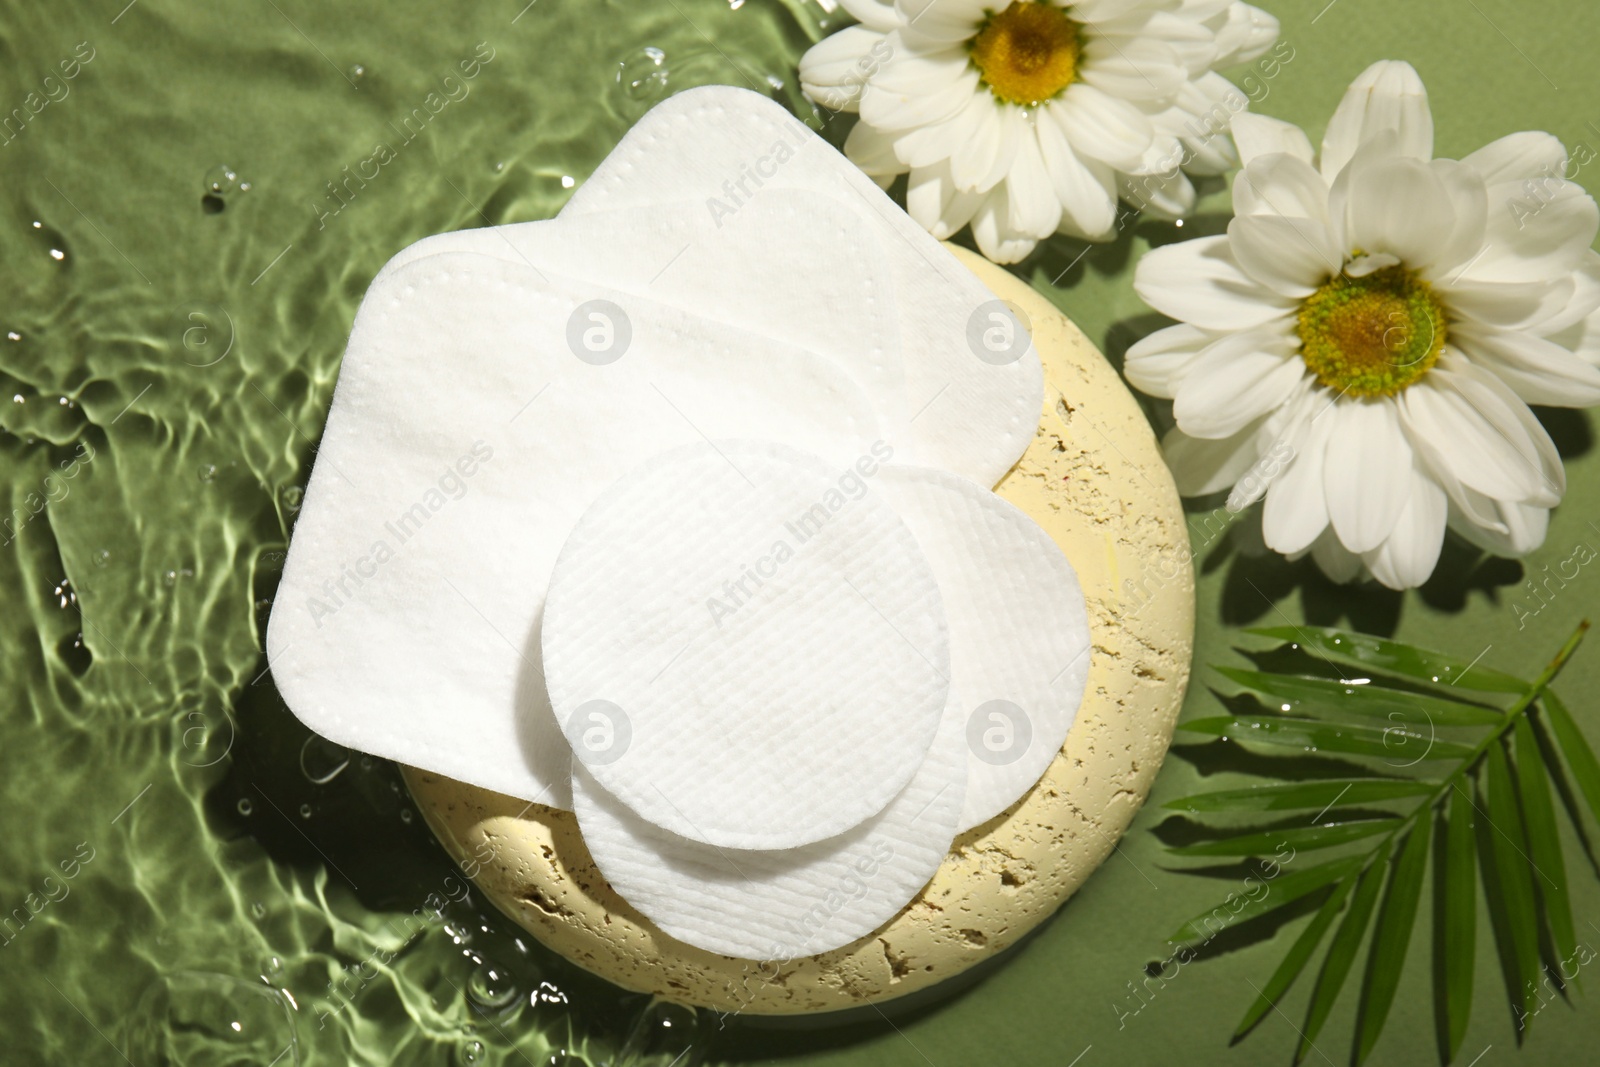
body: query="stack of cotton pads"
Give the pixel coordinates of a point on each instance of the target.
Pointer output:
(674, 511)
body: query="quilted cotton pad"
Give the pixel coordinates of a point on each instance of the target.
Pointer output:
(787, 903)
(770, 269)
(1019, 629)
(974, 385)
(745, 645)
(480, 408)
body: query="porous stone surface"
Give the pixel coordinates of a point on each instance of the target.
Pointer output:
(1093, 478)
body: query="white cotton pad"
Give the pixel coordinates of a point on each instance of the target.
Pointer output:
(787, 903)
(974, 385)
(1019, 629)
(480, 409)
(797, 266)
(745, 645)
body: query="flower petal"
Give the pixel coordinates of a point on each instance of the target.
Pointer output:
(835, 69)
(940, 141)
(1408, 555)
(1397, 205)
(1520, 157)
(918, 88)
(1132, 68)
(1100, 126)
(1287, 255)
(1537, 231)
(1201, 465)
(992, 229)
(1246, 36)
(873, 152)
(1389, 95)
(1518, 529)
(1337, 562)
(1296, 511)
(1034, 207)
(1585, 297)
(1539, 371)
(1199, 282)
(1015, 127)
(1368, 463)
(1157, 363)
(933, 200)
(1235, 381)
(1281, 184)
(1088, 200)
(1167, 195)
(1469, 207)
(972, 162)
(941, 20)
(1261, 135)
(1509, 306)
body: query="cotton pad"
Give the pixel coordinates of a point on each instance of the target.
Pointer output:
(745, 645)
(1019, 629)
(798, 267)
(480, 408)
(789, 903)
(974, 386)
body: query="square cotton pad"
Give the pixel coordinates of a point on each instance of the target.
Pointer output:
(480, 409)
(745, 645)
(974, 384)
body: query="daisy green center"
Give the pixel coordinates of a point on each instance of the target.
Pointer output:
(1373, 335)
(1028, 52)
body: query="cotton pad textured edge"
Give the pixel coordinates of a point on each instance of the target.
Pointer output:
(1093, 478)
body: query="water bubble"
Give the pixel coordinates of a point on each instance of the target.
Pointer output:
(18, 398)
(245, 807)
(221, 180)
(357, 70)
(291, 496)
(208, 471)
(472, 1052)
(102, 557)
(405, 816)
(64, 594)
(321, 761)
(305, 811)
(664, 1032)
(643, 75)
(257, 909)
(58, 255)
(492, 990)
(13, 335)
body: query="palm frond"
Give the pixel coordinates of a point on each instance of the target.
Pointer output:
(1484, 810)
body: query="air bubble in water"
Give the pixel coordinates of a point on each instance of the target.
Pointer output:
(643, 75)
(245, 807)
(321, 761)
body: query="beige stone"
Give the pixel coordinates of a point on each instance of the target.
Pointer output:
(1093, 478)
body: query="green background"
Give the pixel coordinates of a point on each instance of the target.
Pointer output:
(185, 356)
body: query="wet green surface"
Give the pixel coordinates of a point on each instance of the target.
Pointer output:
(174, 845)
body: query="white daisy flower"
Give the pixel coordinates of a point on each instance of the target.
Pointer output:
(1363, 343)
(1034, 118)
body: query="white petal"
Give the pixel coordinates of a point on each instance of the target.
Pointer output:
(1539, 371)
(1296, 511)
(1246, 36)
(918, 89)
(1388, 95)
(1407, 557)
(972, 162)
(933, 200)
(834, 70)
(1507, 305)
(1156, 364)
(943, 20)
(1496, 400)
(1292, 257)
(1469, 208)
(1368, 465)
(926, 145)
(1035, 209)
(1400, 206)
(1261, 135)
(1101, 126)
(1168, 195)
(1194, 45)
(1536, 232)
(1337, 562)
(1585, 297)
(1014, 129)
(1088, 202)
(1281, 185)
(1517, 530)
(1212, 101)
(872, 151)
(1519, 157)
(1199, 282)
(1235, 381)
(1132, 69)
(1202, 465)
(1487, 452)
(991, 228)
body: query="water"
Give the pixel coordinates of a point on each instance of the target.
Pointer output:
(195, 199)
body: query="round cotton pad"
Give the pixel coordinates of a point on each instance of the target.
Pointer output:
(1019, 630)
(786, 903)
(745, 645)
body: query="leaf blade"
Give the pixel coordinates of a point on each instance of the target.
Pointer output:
(1373, 700)
(1515, 897)
(1279, 891)
(1343, 738)
(1299, 796)
(1460, 915)
(1341, 954)
(1391, 937)
(1295, 959)
(1320, 835)
(1574, 749)
(1375, 653)
(1544, 840)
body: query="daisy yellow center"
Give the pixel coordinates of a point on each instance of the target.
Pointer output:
(1374, 335)
(1027, 53)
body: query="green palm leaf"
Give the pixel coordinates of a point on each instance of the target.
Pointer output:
(1392, 937)
(1304, 796)
(1371, 700)
(1459, 929)
(1376, 654)
(1402, 744)
(1494, 808)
